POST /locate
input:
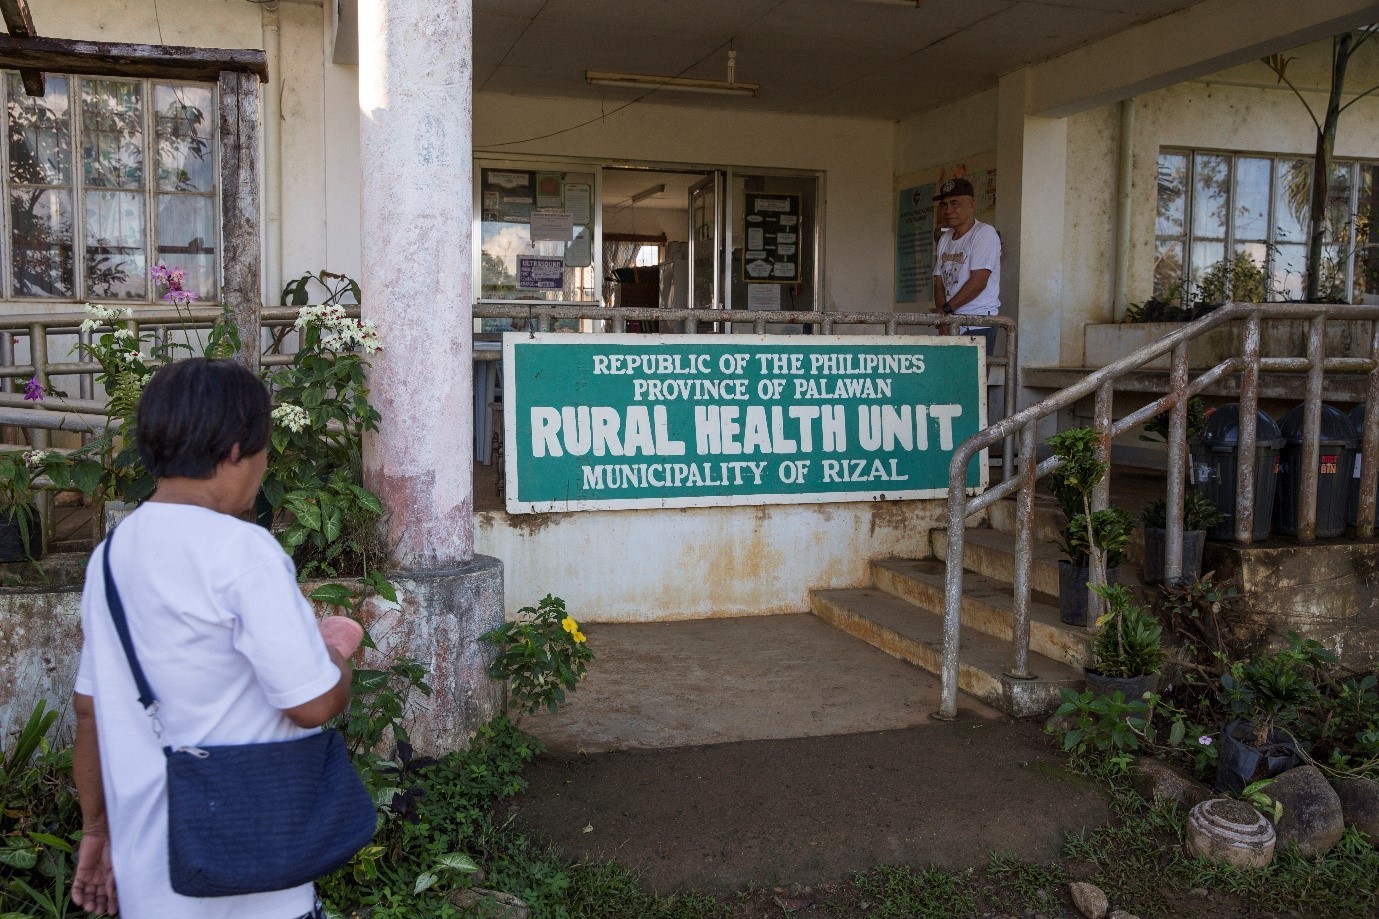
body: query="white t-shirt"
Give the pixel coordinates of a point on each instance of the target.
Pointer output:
(955, 260)
(227, 642)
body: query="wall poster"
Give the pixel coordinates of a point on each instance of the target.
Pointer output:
(772, 250)
(914, 243)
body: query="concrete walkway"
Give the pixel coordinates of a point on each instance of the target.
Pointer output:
(714, 755)
(711, 681)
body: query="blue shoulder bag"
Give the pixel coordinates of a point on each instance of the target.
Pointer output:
(249, 818)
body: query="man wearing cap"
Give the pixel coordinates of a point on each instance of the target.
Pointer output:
(967, 265)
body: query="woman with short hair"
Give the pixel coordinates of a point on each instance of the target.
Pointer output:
(221, 629)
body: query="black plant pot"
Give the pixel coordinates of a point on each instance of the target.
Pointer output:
(1155, 541)
(20, 529)
(1133, 687)
(1072, 590)
(1239, 762)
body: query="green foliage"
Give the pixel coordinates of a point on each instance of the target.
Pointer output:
(542, 654)
(1199, 512)
(1156, 428)
(1110, 532)
(1081, 471)
(1240, 280)
(38, 816)
(316, 459)
(904, 893)
(1089, 722)
(1271, 690)
(1129, 642)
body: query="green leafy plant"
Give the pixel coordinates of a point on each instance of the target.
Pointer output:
(1130, 640)
(322, 413)
(1156, 429)
(1271, 691)
(38, 820)
(1257, 795)
(1199, 512)
(1089, 722)
(1109, 531)
(542, 654)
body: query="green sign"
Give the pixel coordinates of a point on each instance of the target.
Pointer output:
(599, 422)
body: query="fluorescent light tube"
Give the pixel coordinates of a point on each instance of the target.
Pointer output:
(645, 193)
(682, 84)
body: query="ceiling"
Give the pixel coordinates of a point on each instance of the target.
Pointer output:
(619, 185)
(865, 58)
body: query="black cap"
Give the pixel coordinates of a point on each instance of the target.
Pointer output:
(955, 187)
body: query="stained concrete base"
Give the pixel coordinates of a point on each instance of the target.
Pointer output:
(437, 620)
(711, 681)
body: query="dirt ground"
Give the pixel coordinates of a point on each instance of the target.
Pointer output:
(814, 810)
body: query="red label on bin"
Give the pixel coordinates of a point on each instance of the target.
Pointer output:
(1328, 466)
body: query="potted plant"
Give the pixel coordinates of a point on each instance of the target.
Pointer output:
(1094, 541)
(1128, 649)
(1200, 514)
(21, 534)
(1265, 695)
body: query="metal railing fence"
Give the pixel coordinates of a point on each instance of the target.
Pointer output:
(1101, 385)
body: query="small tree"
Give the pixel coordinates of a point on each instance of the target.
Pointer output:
(1343, 47)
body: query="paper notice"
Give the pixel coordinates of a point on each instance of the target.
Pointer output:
(755, 238)
(579, 197)
(580, 253)
(551, 226)
(763, 296)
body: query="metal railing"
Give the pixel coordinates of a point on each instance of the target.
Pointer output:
(1101, 385)
(542, 318)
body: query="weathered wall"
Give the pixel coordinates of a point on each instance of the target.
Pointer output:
(951, 132)
(673, 222)
(637, 566)
(1089, 227)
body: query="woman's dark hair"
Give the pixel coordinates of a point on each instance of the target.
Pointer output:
(193, 412)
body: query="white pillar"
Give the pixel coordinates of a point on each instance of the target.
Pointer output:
(415, 109)
(1032, 162)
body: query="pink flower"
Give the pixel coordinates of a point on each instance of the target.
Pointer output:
(1205, 740)
(33, 390)
(173, 279)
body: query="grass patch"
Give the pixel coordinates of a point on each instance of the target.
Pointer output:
(904, 893)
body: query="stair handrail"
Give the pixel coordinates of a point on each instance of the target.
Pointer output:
(1101, 383)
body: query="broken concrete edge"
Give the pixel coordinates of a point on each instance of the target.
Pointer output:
(437, 620)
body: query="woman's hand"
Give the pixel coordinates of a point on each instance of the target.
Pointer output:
(342, 634)
(93, 885)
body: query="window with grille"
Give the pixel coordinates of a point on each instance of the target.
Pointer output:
(1257, 207)
(105, 178)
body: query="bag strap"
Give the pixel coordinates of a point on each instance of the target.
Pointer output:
(112, 599)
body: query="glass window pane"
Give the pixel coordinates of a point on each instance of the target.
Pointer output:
(1168, 269)
(115, 261)
(112, 133)
(41, 242)
(1367, 234)
(1211, 185)
(187, 239)
(183, 117)
(40, 133)
(1251, 211)
(1292, 200)
(1172, 194)
(1287, 271)
(1208, 261)
(508, 198)
(1249, 280)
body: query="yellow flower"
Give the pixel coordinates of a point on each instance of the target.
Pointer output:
(569, 625)
(578, 636)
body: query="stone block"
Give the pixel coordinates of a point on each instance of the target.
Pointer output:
(1312, 819)
(1359, 805)
(1157, 781)
(1089, 899)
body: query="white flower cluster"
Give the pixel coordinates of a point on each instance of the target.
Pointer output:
(101, 315)
(122, 333)
(338, 331)
(292, 417)
(34, 458)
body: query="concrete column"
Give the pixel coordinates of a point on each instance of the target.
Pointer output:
(415, 109)
(1032, 162)
(416, 203)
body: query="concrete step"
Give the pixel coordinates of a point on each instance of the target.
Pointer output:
(992, 553)
(987, 607)
(915, 635)
(1048, 529)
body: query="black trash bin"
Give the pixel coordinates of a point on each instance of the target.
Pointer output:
(1214, 468)
(1334, 465)
(1357, 421)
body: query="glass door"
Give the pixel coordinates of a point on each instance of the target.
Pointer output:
(706, 209)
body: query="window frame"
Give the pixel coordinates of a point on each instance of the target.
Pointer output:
(78, 188)
(1353, 167)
